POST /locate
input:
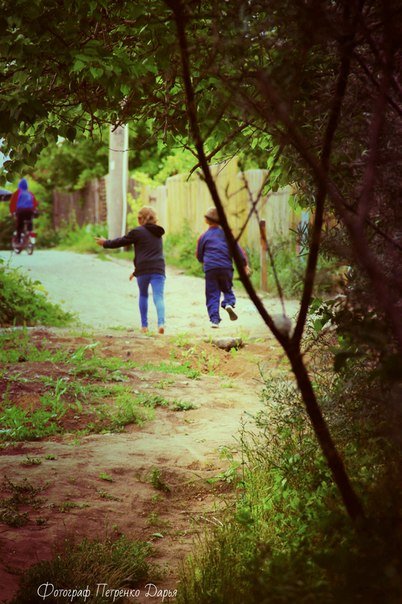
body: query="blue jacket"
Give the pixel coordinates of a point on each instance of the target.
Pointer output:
(213, 250)
(22, 199)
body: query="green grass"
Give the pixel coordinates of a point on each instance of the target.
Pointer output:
(183, 406)
(106, 477)
(107, 496)
(158, 482)
(81, 239)
(128, 410)
(44, 420)
(66, 506)
(112, 407)
(171, 368)
(19, 424)
(286, 536)
(87, 364)
(20, 494)
(95, 389)
(16, 346)
(205, 362)
(31, 461)
(120, 563)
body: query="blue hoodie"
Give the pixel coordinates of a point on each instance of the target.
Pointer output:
(25, 198)
(213, 250)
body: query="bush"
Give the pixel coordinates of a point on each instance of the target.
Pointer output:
(47, 237)
(287, 537)
(290, 268)
(180, 251)
(24, 302)
(7, 227)
(81, 239)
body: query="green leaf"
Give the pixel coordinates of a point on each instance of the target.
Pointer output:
(78, 66)
(96, 72)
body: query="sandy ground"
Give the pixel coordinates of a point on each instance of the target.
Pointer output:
(185, 447)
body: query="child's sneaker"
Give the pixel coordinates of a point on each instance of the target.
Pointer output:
(231, 312)
(214, 325)
(161, 329)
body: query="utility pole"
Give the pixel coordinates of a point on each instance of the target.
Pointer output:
(117, 181)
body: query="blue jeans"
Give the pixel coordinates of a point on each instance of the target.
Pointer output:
(217, 281)
(157, 282)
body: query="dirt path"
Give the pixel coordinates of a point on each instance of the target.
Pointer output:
(184, 449)
(103, 297)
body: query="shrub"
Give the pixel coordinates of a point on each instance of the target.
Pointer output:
(180, 251)
(24, 302)
(290, 268)
(81, 239)
(287, 537)
(7, 227)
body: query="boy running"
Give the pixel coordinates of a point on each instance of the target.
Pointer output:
(213, 252)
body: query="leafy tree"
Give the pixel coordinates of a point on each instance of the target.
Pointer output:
(321, 81)
(313, 86)
(69, 69)
(70, 164)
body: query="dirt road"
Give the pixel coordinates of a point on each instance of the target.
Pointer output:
(184, 448)
(103, 297)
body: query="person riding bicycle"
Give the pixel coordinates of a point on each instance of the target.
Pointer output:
(23, 204)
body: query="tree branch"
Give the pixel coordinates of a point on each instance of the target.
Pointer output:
(350, 499)
(364, 257)
(333, 120)
(367, 192)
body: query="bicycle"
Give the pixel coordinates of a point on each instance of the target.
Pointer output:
(26, 242)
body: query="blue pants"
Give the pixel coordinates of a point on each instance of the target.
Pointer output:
(157, 282)
(217, 281)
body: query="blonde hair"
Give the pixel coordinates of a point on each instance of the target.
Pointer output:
(148, 215)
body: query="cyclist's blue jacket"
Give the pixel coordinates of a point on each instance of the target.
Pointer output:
(22, 199)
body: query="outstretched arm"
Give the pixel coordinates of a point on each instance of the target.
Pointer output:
(124, 241)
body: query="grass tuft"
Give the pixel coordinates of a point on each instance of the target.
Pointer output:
(117, 563)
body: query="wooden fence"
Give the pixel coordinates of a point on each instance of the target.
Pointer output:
(86, 206)
(184, 201)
